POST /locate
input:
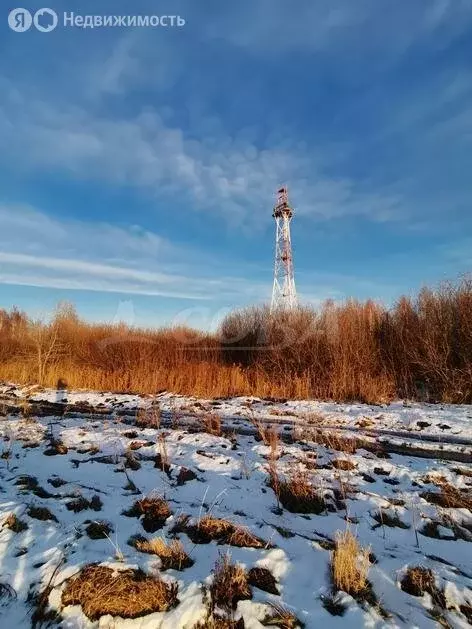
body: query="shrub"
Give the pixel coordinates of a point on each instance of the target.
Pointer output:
(421, 348)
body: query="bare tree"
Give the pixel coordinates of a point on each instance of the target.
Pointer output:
(47, 347)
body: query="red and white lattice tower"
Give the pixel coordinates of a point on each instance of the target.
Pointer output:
(284, 294)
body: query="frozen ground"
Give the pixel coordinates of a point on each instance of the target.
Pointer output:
(58, 447)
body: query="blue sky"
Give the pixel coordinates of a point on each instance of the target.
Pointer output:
(138, 166)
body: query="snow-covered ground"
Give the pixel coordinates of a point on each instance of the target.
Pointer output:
(98, 450)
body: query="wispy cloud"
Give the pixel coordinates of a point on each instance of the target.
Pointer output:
(28, 230)
(353, 30)
(213, 169)
(223, 175)
(370, 130)
(89, 268)
(102, 257)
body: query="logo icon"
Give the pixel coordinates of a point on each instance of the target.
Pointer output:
(20, 20)
(45, 20)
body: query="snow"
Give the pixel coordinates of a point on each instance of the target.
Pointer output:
(231, 483)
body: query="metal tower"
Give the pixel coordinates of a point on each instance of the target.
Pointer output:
(284, 294)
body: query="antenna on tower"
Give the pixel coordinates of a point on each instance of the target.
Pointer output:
(284, 294)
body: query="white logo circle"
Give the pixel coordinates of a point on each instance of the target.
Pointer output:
(50, 24)
(20, 20)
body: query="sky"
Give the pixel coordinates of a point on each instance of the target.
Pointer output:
(138, 166)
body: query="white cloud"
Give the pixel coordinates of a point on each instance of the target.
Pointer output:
(223, 175)
(27, 230)
(89, 268)
(73, 132)
(227, 175)
(38, 250)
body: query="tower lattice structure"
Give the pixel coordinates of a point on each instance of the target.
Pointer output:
(284, 294)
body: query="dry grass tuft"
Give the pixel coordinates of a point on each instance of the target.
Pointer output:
(161, 459)
(433, 478)
(13, 522)
(344, 465)
(242, 537)
(209, 529)
(155, 511)
(260, 427)
(388, 518)
(30, 484)
(172, 555)
(449, 497)
(229, 584)
(297, 495)
(267, 434)
(131, 461)
(41, 513)
(99, 530)
(56, 446)
(185, 475)
(418, 580)
(272, 440)
(212, 424)
(148, 417)
(128, 594)
(263, 579)
(350, 565)
(467, 611)
(218, 622)
(282, 617)
(333, 441)
(80, 504)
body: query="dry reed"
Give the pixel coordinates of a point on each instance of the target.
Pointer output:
(421, 348)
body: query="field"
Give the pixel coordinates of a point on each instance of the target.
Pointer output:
(167, 511)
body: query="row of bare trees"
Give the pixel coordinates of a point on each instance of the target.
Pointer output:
(420, 348)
